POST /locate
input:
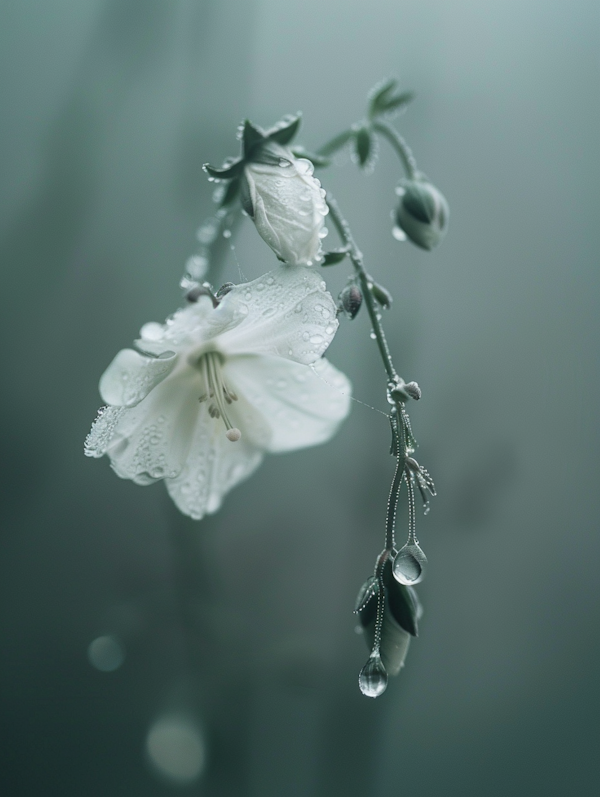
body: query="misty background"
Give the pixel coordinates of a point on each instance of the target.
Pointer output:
(240, 627)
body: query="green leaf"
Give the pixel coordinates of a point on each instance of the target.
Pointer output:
(231, 193)
(227, 172)
(381, 295)
(283, 132)
(378, 93)
(394, 103)
(334, 257)
(363, 144)
(318, 161)
(336, 143)
(252, 138)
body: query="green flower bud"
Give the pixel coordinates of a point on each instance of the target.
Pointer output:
(422, 213)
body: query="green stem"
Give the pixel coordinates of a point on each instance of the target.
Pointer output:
(355, 255)
(399, 145)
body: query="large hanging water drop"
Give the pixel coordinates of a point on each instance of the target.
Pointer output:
(373, 677)
(409, 564)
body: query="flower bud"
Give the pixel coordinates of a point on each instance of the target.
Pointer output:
(422, 213)
(286, 204)
(351, 300)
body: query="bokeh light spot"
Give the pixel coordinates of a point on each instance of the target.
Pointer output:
(106, 653)
(176, 749)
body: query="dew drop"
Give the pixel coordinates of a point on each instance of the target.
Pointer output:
(372, 335)
(398, 234)
(409, 564)
(284, 163)
(226, 233)
(373, 677)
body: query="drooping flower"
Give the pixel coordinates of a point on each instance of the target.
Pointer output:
(278, 191)
(210, 391)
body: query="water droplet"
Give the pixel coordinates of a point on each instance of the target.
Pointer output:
(323, 233)
(226, 233)
(373, 677)
(270, 311)
(409, 564)
(398, 234)
(284, 163)
(372, 335)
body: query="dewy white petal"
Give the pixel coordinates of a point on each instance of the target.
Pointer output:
(151, 441)
(303, 405)
(131, 376)
(289, 313)
(289, 208)
(214, 465)
(242, 366)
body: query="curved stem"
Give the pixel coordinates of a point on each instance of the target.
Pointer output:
(390, 542)
(399, 145)
(355, 255)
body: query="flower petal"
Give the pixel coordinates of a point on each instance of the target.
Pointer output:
(213, 466)
(288, 313)
(303, 405)
(151, 440)
(288, 207)
(131, 376)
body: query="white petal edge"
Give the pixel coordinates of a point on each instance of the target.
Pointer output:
(289, 313)
(303, 405)
(131, 376)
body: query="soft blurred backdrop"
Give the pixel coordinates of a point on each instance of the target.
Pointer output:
(225, 660)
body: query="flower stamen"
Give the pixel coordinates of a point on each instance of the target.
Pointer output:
(209, 365)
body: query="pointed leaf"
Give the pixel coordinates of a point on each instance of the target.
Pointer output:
(394, 103)
(378, 93)
(333, 257)
(363, 145)
(316, 160)
(336, 143)
(252, 138)
(381, 295)
(228, 171)
(284, 131)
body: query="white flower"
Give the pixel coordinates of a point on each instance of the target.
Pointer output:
(213, 389)
(287, 205)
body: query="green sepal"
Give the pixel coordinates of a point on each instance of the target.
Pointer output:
(381, 295)
(337, 143)
(226, 172)
(334, 257)
(252, 138)
(230, 194)
(285, 130)
(245, 197)
(318, 161)
(368, 591)
(403, 601)
(363, 144)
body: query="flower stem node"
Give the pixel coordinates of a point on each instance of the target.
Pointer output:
(351, 300)
(422, 213)
(400, 391)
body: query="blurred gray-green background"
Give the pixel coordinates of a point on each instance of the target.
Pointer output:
(241, 625)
